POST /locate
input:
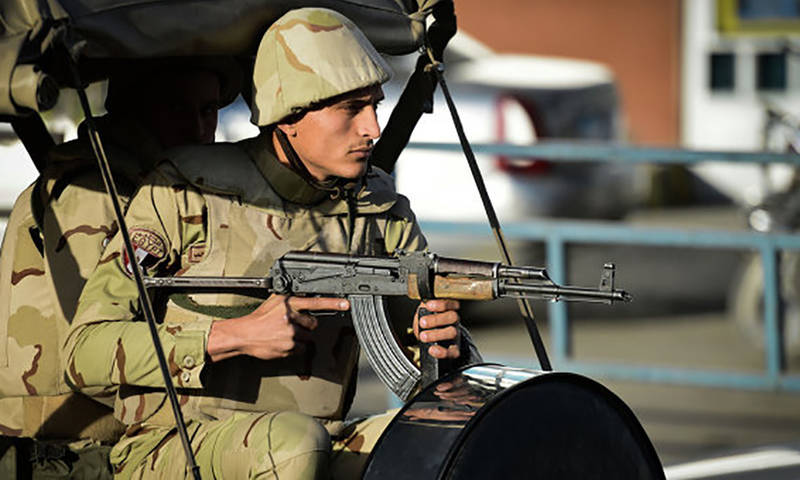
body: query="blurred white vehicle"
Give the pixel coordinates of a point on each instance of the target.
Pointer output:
(517, 99)
(751, 185)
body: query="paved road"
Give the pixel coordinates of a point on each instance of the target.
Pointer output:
(684, 423)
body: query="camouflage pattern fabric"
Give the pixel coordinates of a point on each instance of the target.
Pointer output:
(299, 447)
(194, 218)
(56, 233)
(353, 444)
(309, 55)
(286, 445)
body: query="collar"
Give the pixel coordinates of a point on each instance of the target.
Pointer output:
(288, 184)
(253, 173)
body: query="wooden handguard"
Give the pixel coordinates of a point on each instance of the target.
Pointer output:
(455, 287)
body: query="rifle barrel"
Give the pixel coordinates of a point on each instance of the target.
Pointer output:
(567, 293)
(208, 282)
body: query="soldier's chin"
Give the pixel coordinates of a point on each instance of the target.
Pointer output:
(355, 171)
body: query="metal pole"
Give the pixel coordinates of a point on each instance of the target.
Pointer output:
(144, 299)
(559, 322)
(524, 305)
(773, 314)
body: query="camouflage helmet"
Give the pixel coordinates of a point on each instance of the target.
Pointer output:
(309, 55)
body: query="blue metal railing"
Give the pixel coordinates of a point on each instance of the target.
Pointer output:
(556, 234)
(593, 151)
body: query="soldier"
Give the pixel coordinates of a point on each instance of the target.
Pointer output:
(55, 235)
(263, 386)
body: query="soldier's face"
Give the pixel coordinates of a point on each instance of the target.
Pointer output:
(336, 140)
(184, 111)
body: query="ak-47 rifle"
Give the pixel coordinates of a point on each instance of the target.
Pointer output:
(365, 281)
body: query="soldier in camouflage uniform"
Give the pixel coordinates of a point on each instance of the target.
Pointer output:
(54, 238)
(264, 386)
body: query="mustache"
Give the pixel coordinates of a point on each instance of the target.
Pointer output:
(364, 146)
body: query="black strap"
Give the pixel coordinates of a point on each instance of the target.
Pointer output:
(352, 211)
(144, 299)
(37, 210)
(524, 305)
(416, 99)
(335, 186)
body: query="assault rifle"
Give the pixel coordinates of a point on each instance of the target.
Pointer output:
(365, 281)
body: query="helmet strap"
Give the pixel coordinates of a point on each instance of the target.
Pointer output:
(335, 186)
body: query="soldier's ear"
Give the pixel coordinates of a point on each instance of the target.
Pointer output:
(289, 129)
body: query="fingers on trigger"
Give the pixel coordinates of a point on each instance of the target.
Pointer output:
(319, 303)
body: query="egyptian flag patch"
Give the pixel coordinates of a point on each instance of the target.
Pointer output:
(148, 248)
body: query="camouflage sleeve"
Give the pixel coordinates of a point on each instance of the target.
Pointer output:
(109, 343)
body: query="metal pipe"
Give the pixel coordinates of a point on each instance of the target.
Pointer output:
(524, 305)
(144, 299)
(596, 151)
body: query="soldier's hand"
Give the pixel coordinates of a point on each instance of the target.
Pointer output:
(279, 327)
(440, 325)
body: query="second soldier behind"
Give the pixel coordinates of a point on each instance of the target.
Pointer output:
(55, 235)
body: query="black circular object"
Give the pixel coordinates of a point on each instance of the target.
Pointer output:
(491, 421)
(46, 93)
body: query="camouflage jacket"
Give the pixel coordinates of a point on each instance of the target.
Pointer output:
(55, 235)
(226, 209)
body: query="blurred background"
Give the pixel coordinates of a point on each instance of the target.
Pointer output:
(693, 75)
(665, 80)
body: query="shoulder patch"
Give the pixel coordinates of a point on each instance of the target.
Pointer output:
(148, 247)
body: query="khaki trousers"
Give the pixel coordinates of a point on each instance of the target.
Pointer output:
(280, 445)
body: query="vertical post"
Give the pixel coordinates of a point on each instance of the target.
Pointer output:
(773, 333)
(144, 299)
(524, 305)
(559, 321)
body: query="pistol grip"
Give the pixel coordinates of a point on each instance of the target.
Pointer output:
(432, 368)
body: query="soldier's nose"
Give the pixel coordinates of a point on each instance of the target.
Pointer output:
(369, 123)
